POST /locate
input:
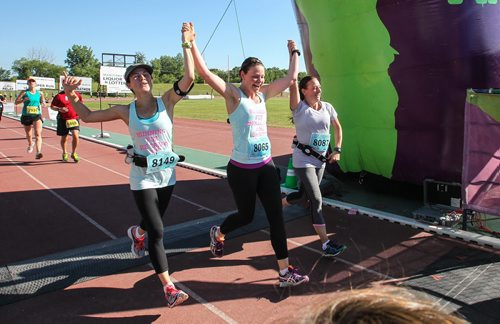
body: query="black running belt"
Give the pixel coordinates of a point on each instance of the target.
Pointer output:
(307, 150)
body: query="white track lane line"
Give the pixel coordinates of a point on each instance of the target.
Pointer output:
(70, 205)
(216, 311)
(352, 265)
(463, 285)
(205, 303)
(439, 303)
(126, 176)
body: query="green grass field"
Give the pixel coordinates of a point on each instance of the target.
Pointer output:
(278, 113)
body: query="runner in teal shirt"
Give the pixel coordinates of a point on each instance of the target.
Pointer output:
(31, 117)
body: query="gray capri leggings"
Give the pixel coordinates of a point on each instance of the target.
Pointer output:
(310, 178)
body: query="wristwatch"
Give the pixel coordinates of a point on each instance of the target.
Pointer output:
(337, 149)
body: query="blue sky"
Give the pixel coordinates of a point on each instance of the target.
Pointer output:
(151, 27)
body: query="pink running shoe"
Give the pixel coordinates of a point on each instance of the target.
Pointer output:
(138, 249)
(174, 296)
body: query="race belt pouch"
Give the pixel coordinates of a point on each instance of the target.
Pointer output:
(307, 150)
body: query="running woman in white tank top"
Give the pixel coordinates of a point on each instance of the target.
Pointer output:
(251, 172)
(152, 174)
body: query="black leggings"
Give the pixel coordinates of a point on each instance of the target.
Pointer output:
(263, 182)
(152, 204)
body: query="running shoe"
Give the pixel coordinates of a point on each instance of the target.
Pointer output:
(333, 249)
(137, 248)
(174, 296)
(38, 156)
(292, 278)
(216, 247)
(65, 157)
(75, 157)
(30, 148)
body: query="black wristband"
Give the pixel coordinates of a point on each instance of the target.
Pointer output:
(178, 90)
(296, 51)
(337, 149)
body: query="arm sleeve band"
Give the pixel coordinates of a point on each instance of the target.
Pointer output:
(178, 90)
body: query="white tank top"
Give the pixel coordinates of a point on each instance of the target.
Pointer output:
(150, 136)
(249, 124)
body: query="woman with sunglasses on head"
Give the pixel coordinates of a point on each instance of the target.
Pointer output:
(31, 117)
(251, 171)
(152, 172)
(312, 118)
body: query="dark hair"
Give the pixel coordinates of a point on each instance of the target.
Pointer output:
(248, 63)
(303, 84)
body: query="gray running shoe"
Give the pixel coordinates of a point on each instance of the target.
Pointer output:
(333, 249)
(292, 278)
(216, 247)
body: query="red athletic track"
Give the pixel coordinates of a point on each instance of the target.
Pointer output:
(239, 287)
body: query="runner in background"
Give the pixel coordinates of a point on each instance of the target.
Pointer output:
(152, 172)
(31, 116)
(312, 118)
(3, 101)
(251, 171)
(67, 120)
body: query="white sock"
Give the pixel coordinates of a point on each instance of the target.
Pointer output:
(284, 271)
(325, 244)
(218, 235)
(137, 234)
(170, 284)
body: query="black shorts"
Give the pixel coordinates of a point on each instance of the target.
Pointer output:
(30, 119)
(62, 129)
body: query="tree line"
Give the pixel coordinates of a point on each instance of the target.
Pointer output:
(81, 61)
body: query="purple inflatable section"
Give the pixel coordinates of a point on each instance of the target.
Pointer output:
(443, 50)
(481, 169)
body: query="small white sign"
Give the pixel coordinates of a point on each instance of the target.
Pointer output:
(41, 83)
(112, 77)
(86, 85)
(7, 86)
(45, 83)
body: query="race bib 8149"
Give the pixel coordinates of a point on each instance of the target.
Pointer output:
(160, 161)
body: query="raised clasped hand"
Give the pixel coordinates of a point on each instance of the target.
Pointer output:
(188, 30)
(70, 83)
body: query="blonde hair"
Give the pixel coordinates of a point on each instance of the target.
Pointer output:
(377, 305)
